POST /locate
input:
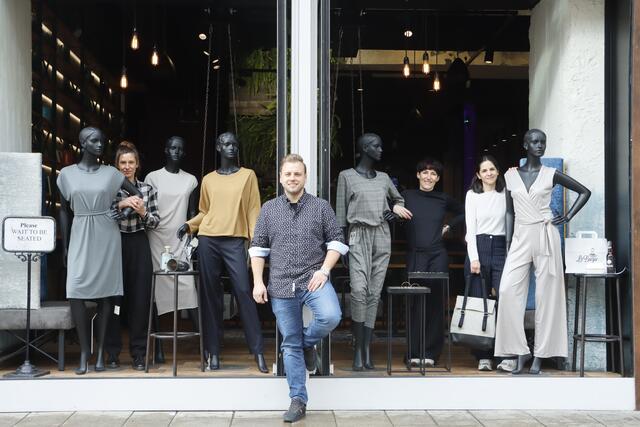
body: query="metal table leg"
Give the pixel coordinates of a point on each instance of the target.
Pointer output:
(175, 324)
(146, 355)
(583, 324)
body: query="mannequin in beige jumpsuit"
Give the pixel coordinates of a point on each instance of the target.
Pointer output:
(532, 237)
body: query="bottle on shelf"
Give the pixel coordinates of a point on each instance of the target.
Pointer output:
(610, 261)
(165, 257)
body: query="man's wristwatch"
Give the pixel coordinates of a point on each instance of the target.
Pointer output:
(325, 271)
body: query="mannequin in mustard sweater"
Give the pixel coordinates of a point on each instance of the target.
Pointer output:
(228, 210)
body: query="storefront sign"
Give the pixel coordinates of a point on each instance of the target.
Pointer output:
(29, 234)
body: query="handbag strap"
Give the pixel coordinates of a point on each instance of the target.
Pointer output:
(467, 285)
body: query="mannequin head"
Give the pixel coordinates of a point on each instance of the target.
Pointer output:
(92, 141)
(428, 172)
(228, 146)
(535, 143)
(128, 160)
(174, 149)
(370, 145)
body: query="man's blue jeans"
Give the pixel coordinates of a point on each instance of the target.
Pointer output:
(324, 305)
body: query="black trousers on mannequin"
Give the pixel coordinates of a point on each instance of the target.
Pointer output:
(213, 252)
(136, 278)
(435, 260)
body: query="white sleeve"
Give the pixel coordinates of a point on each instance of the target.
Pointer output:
(470, 220)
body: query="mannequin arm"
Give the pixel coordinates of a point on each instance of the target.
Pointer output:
(64, 218)
(133, 191)
(509, 218)
(192, 210)
(583, 196)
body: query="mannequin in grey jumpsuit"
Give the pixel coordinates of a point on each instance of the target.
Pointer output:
(532, 237)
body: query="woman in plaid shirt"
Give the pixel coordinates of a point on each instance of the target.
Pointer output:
(136, 261)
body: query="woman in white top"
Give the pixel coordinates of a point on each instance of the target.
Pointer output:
(485, 213)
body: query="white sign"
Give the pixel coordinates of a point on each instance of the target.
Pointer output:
(29, 234)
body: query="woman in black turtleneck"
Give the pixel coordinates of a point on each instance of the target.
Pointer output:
(426, 251)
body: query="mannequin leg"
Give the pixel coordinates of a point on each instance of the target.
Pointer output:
(358, 331)
(80, 318)
(104, 311)
(366, 348)
(234, 254)
(360, 251)
(210, 288)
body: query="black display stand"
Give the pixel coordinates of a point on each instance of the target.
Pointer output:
(27, 370)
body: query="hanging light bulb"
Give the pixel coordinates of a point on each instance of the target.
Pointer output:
(154, 57)
(124, 82)
(406, 69)
(425, 63)
(436, 82)
(135, 43)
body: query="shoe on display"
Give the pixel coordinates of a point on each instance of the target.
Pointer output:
(310, 357)
(112, 361)
(297, 411)
(414, 361)
(507, 365)
(138, 363)
(485, 365)
(429, 363)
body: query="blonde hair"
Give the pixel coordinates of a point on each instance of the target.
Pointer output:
(292, 158)
(126, 147)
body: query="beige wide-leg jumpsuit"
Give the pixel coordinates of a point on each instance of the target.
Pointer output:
(535, 240)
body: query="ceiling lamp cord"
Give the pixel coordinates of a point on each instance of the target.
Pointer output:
(233, 84)
(206, 104)
(361, 88)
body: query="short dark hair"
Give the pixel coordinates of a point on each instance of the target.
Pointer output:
(530, 132)
(430, 164)
(476, 183)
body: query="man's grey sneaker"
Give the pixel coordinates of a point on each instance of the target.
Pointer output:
(297, 411)
(310, 357)
(485, 365)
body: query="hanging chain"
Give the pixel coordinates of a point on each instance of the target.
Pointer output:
(206, 105)
(215, 152)
(361, 89)
(233, 83)
(335, 85)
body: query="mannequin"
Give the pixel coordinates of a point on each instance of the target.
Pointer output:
(362, 211)
(92, 242)
(177, 201)
(532, 237)
(228, 211)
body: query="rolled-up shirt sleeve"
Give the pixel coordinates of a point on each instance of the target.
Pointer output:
(260, 246)
(334, 238)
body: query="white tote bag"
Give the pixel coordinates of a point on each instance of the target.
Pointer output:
(586, 253)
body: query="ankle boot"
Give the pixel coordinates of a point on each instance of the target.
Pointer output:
(366, 348)
(358, 331)
(535, 366)
(522, 361)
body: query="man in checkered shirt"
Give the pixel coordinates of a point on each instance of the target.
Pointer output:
(299, 234)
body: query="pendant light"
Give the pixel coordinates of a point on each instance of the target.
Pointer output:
(436, 82)
(436, 77)
(155, 59)
(135, 43)
(425, 56)
(124, 82)
(425, 63)
(406, 69)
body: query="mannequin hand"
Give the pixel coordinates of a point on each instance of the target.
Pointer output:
(389, 216)
(560, 219)
(260, 294)
(508, 244)
(317, 281)
(475, 267)
(402, 212)
(445, 229)
(184, 229)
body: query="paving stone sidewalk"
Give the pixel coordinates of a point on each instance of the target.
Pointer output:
(326, 418)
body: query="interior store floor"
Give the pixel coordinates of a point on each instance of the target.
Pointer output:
(236, 361)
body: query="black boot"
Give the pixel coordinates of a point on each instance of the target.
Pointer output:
(262, 365)
(366, 348)
(358, 332)
(80, 318)
(522, 361)
(104, 314)
(212, 361)
(535, 366)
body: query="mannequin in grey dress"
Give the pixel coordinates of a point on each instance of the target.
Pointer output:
(92, 142)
